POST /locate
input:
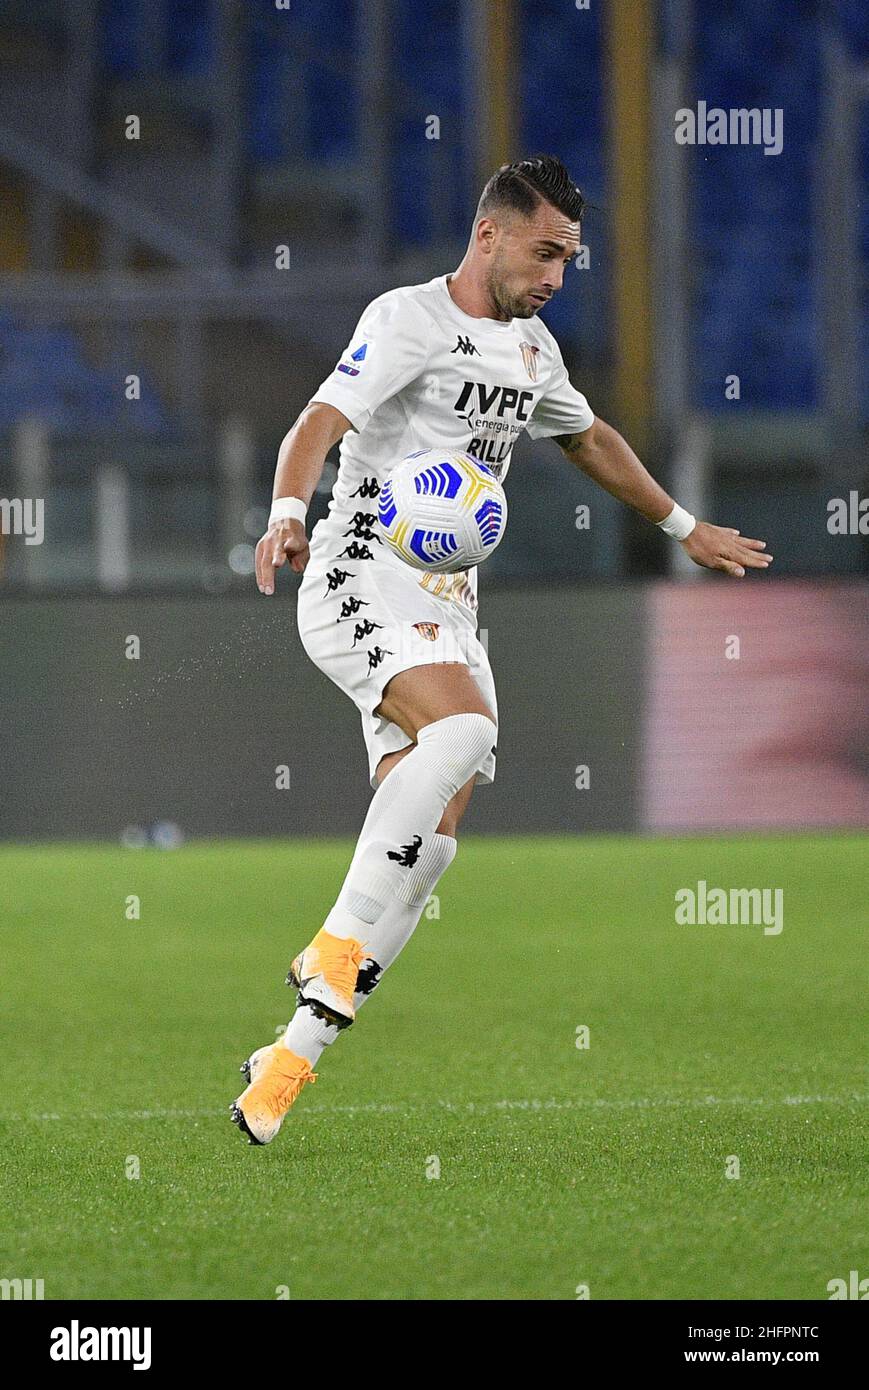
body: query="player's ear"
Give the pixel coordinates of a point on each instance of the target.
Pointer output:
(486, 233)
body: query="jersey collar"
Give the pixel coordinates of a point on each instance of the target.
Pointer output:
(470, 322)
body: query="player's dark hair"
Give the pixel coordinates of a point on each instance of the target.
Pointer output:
(524, 185)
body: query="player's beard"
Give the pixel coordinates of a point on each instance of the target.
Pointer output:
(507, 303)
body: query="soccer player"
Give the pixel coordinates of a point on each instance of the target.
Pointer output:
(464, 363)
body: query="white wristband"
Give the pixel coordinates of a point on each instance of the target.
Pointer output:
(678, 523)
(286, 509)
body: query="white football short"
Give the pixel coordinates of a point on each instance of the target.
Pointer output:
(361, 621)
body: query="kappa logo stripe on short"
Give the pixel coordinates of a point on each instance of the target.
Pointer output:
(369, 487)
(361, 526)
(336, 579)
(364, 629)
(376, 657)
(350, 606)
(354, 551)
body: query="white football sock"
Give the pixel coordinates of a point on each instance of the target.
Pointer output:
(308, 1035)
(388, 936)
(403, 816)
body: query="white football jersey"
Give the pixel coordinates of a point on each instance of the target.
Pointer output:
(420, 373)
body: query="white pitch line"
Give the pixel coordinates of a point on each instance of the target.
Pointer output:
(471, 1107)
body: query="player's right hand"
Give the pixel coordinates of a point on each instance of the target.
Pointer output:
(285, 540)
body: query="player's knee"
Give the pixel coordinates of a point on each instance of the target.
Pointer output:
(467, 740)
(481, 732)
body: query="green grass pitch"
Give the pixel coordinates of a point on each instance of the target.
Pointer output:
(559, 1166)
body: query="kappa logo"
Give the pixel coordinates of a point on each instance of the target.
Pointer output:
(376, 656)
(369, 487)
(360, 527)
(336, 578)
(358, 357)
(409, 853)
(354, 551)
(429, 630)
(351, 605)
(364, 629)
(465, 347)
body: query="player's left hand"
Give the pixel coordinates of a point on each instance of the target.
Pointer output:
(283, 541)
(722, 548)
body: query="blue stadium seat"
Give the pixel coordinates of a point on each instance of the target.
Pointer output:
(755, 312)
(754, 274)
(43, 373)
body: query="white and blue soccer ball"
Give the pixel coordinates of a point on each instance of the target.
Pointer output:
(441, 510)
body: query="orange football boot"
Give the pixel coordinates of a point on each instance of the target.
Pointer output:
(276, 1076)
(325, 975)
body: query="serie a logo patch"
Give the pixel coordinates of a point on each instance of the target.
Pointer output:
(358, 357)
(429, 630)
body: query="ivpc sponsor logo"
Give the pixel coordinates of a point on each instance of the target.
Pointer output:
(495, 415)
(736, 126)
(77, 1343)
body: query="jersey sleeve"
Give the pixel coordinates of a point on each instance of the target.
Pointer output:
(561, 409)
(388, 350)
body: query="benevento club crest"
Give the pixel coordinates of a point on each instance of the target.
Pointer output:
(429, 630)
(529, 356)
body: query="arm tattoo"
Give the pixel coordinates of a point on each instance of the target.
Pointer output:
(568, 442)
